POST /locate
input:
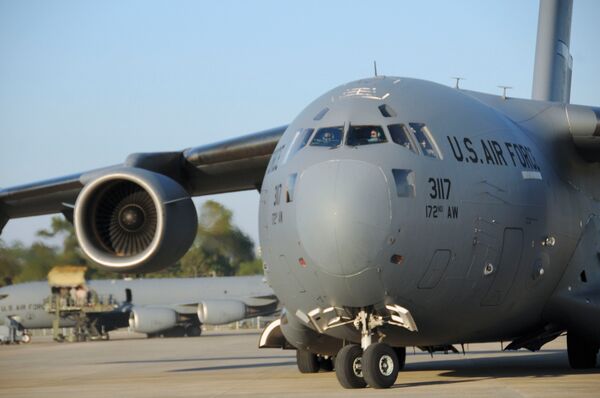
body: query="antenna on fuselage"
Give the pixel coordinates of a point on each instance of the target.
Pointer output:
(458, 79)
(375, 67)
(504, 88)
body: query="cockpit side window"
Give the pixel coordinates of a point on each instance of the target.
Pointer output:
(299, 141)
(328, 137)
(426, 142)
(305, 137)
(365, 135)
(402, 136)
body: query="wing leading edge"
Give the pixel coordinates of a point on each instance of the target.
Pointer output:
(232, 165)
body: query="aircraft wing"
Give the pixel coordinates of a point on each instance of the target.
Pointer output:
(233, 165)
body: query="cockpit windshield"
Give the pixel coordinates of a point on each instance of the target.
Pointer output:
(365, 135)
(299, 141)
(425, 140)
(402, 136)
(328, 137)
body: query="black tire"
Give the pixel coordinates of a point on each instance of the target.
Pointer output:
(401, 353)
(326, 364)
(380, 365)
(307, 361)
(177, 331)
(348, 367)
(582, 354)
(193, 330)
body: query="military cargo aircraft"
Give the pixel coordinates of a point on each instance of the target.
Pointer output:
(393, 212)
(169, 307)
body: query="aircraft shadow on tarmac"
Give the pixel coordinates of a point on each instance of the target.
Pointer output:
(550, 363)
(540, 365)
(236, 366)
(169, 360)
(210, 335)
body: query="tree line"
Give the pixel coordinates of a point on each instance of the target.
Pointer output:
(219, 249)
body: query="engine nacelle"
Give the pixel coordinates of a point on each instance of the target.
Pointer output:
(131, 219)
(152, 320)
(220, 312)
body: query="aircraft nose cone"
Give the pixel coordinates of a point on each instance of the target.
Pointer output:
(343, 214)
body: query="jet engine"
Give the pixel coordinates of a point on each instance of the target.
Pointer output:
(133, 219)
(152, 320)
(220, 312)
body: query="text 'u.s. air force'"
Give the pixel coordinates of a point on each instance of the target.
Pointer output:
(492, 152)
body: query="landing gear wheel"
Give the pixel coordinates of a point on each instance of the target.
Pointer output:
(401, 353)
(380, 365)
(348, 367)
(177, 331)
(582, 354)
(26, 338)
(193, 331)
(307, 361)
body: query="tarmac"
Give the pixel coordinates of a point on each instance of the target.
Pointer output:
(229, 364)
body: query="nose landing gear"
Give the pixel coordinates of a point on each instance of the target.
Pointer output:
(348, 367)
(374, 364)
(380, 365)
(377, 367)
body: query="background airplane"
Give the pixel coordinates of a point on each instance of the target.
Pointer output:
(173, 307)
(393, 212)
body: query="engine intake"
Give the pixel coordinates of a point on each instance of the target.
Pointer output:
(134, 219)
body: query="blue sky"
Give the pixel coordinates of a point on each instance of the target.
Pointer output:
(83, 84)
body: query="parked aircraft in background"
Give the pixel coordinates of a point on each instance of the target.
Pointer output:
(393, 212)
(173, 307)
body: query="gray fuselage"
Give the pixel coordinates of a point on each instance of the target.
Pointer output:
(470, 231)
